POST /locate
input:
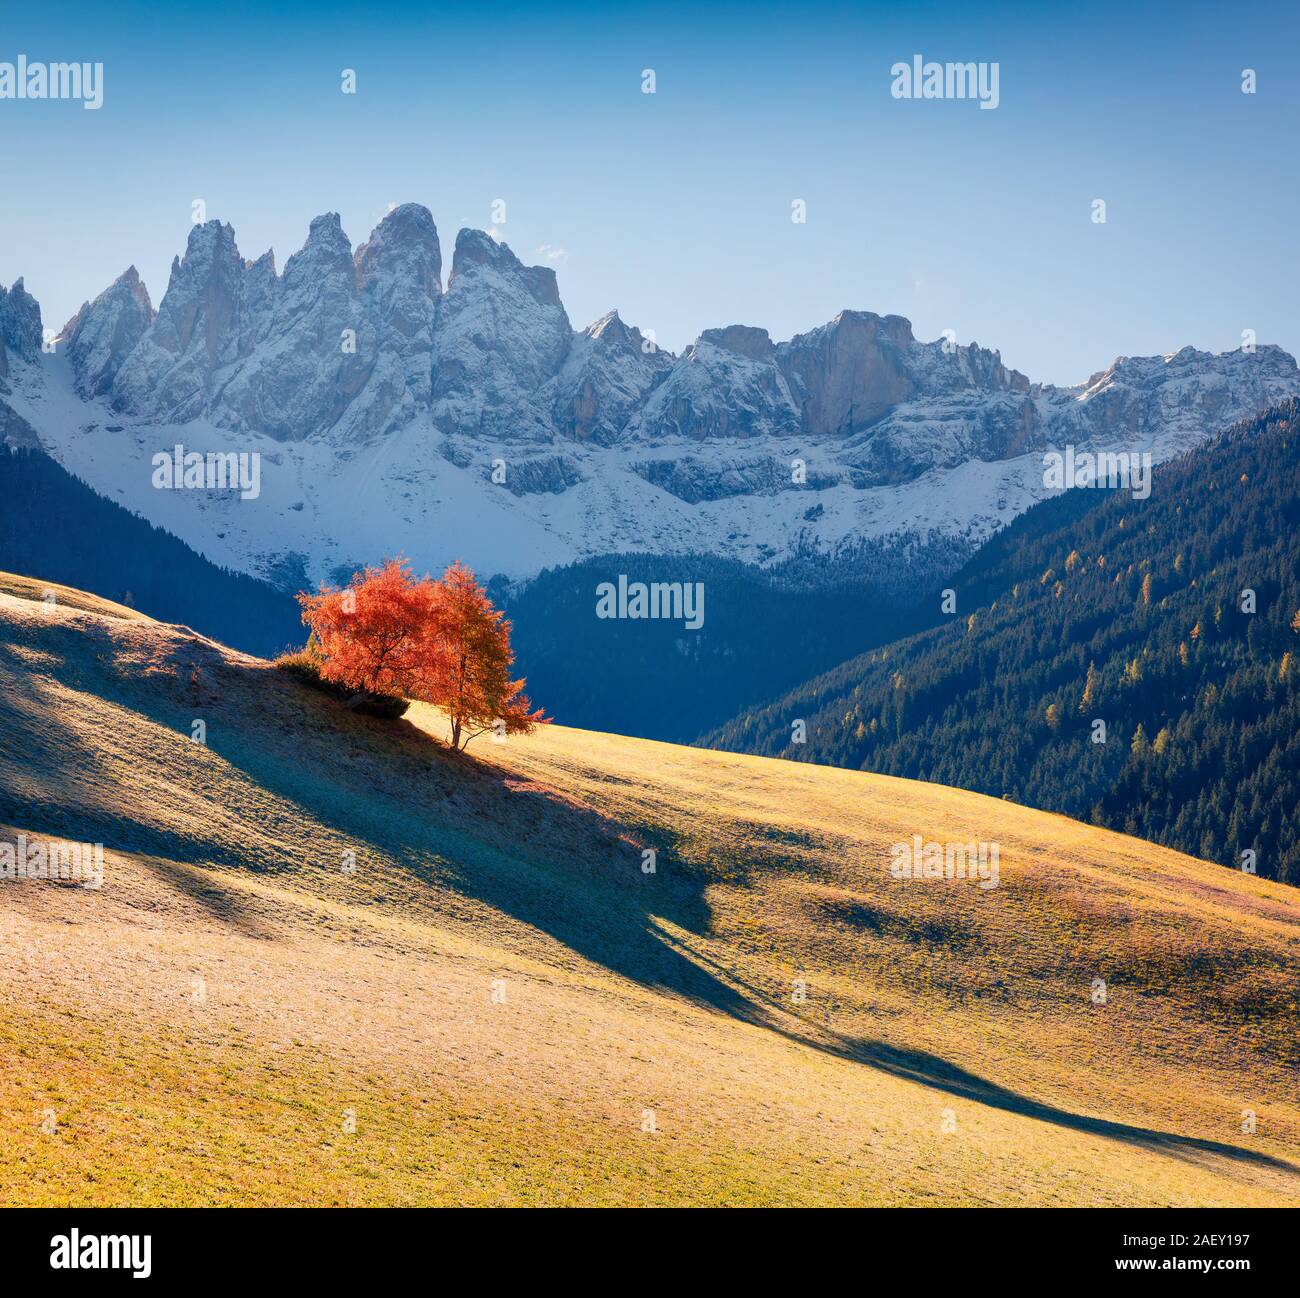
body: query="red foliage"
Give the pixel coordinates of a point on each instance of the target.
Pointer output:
(441, 642)
(476, 689)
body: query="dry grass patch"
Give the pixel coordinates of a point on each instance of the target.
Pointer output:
(511, 1011)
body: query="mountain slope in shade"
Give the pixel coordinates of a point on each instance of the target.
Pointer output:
(655, 680)
(395, 413)
(1099, 607)
(57, 528)
(500, 1005)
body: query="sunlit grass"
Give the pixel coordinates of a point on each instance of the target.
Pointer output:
(504, 1001)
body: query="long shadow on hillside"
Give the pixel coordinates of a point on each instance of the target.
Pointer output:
(550, 862)
(528, 851)
(943, 1075)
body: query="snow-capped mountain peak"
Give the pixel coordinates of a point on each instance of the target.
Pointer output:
(396, 414)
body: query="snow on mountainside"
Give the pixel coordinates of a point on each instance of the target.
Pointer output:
(393, 415)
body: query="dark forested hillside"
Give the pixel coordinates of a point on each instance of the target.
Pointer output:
(55, 528)
(1135, 663)
(761, 634)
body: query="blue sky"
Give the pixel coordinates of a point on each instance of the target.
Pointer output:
(675, 207)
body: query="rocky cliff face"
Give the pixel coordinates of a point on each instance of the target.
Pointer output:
(20, 326)
(100, 337)
(168, 374)
(609, 371)
(307, 351)
(849, 373)
(472, 418)
(500, 337)
(356, 345)
(399, 280)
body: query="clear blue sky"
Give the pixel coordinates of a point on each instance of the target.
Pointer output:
(675, 207)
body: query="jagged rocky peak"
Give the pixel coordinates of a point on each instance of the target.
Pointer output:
(307, 348)
(327, 256)
(609, 370)
(744, 340)
(196, 330)
(336, 340)
(500, 337)
(1182, 393)
(202, 297)
(258, 293)
(610, 330)
(611, 333)
(610, 323)
(402, 255)
(20, 322)
(99, 338)
(1265, 363)
(982, 368)
(726, 384)
(477, 248)
(399, 277)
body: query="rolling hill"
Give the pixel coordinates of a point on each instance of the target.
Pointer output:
(499, 1004)
(1174, 621)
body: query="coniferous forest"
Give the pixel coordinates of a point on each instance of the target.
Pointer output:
(55, 528)
(659, 680)
(1133, 663)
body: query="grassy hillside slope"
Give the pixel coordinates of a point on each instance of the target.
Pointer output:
(1128, 662)
(498, 1004)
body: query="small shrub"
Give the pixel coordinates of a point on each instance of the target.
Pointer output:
(305, 665)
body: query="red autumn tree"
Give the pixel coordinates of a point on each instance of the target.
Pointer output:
(374, 635)
(477, 692)
(440, 642)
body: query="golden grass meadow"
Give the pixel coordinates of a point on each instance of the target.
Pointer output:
(332, 963)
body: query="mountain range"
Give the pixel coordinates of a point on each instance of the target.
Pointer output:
(395, 412)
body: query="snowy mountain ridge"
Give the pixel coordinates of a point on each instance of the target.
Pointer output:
(394, 413)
